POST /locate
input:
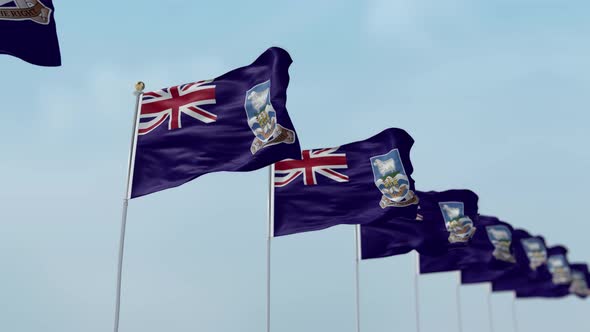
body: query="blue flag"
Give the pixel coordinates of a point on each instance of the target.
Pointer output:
(454, 215)
(531, 257)
(496, 239)
(557, 283)
(580, 285)
(356, 183)
(237, 122)
(28, 31)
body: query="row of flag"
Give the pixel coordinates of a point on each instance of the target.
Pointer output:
(239, 122)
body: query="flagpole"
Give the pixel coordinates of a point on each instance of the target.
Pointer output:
(271, 198)
(458, 296)
(514, 319)
(357, 235)
(416, 290)
(139, 86)
(490, 311)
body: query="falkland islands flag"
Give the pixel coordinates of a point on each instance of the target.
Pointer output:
(28, 31)
(531, 259)
(495, 238)
(355, 183)
(559, 280)
(237, 122)
(454, 214)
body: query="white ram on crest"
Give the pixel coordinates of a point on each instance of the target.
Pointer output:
(385, 166)
(452, 213)
(259, 99)
(499, 234)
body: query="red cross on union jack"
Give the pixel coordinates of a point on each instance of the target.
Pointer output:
(170, 103)
(321, 161)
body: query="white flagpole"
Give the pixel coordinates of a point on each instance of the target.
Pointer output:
(490, 311)
(416, 290)
(139, 86)
(514, 318)
(357, 235)
(271, 201)
(459, 318)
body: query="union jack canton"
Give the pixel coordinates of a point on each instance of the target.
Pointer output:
(170, 103)
(320, 161)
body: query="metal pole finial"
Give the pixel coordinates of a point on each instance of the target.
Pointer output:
(139, 86)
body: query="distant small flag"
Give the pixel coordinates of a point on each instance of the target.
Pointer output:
(237, 122)
(531, 257)
(580, 285)
(28, 31)
(454, 214)
(558, 282)
(355, 183)
(495, 238)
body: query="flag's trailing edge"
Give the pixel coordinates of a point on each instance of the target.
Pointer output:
(29, 32)
(454, 216)
(557, 283)
(397, 236)
(237, 122)
(356, 183)
(496, 238)
(580, 285)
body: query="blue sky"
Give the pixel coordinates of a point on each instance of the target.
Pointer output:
(494, 93)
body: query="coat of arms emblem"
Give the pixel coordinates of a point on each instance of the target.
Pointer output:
(391, 179)
(579, 286)
(501, 237)
(560, 269)
(535, 251)
(20, 10)
(459, 226)
(262, 119)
